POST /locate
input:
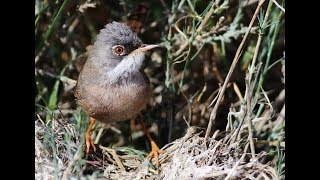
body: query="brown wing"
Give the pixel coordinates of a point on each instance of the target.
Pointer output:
(80, 67)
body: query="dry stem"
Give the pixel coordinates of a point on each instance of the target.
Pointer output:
(233, 65)
(249, 114)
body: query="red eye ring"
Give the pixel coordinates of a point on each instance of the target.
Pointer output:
(119, 50)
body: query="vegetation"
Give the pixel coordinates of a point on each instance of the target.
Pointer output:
(218, 91)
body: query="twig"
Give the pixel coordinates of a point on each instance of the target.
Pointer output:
(257, 120)
(257, 73)
(237, 91)
(278, 5)
(187, 42)
(237, 164)
(274, 32)
(96, 141)
(114, 155)
(242, 113)
(204, 89)
(206, 104)
(173, 146)
(249, 114)
(255, 55)
(212, 10)
(215, 98)
(181, 4)
(233, 65)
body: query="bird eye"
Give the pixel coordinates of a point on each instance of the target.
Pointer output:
(119, 50)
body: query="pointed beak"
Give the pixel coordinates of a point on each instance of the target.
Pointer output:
(145, 47)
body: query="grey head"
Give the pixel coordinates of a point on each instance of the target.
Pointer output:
(118, 51)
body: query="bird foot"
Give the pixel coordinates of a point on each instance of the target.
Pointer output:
(155, 151)
(89, 144)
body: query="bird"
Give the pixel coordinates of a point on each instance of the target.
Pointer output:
(112, 85)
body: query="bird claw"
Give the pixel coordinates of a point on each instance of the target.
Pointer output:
(89, 144)
(155, 151)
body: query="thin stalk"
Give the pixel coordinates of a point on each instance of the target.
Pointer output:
(192, 7)
(205, 20)
(249, 114)
(51, 27)
(187, 65)
(255, 55)
(270, 48)
(233, 65)
(275, 63)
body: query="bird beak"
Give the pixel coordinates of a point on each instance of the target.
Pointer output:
(145, 47)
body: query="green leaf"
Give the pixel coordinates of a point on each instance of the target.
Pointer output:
(51, 27)
(53, 100)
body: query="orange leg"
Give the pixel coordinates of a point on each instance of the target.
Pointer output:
(88, 140)
(155, 151)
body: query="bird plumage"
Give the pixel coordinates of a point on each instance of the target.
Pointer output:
(111, 87)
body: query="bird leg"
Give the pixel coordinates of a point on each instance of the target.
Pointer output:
(155, 151)
(88, 139)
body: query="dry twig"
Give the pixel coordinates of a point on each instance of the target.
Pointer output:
(233, 65)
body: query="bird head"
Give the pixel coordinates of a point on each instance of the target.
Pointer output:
(119, 50)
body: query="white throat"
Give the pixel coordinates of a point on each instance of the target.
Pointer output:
(129, 65)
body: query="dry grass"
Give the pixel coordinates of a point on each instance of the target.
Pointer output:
(190, 157)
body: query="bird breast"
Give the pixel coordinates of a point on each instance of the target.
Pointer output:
(114, 102)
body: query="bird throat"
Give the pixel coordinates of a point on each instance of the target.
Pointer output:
(127, 69)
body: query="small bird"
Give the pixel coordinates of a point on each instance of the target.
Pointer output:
(112, 86)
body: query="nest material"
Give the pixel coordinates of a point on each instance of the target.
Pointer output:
(190, 157)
